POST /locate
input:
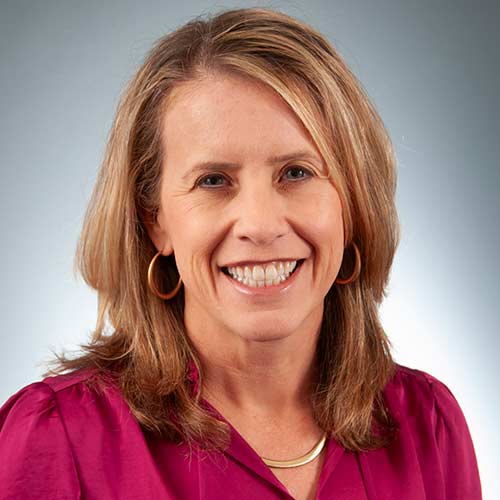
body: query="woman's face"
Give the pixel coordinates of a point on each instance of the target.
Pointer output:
(242, 205)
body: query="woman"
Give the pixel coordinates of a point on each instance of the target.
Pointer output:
(240, 238)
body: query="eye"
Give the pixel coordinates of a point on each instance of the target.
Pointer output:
(211, 181)
(296, 173)
(293, 173)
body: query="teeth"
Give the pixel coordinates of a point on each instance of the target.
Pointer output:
(260, 276)
(271, 272)
(258, 273)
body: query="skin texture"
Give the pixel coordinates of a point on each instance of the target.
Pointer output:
(257, 350)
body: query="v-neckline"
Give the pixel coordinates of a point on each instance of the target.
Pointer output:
(241, 451)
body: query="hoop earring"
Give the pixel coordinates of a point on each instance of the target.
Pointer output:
(357, 268)
(152, 285)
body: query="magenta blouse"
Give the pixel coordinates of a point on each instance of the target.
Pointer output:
(62, 439)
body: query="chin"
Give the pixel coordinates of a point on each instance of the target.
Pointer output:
(265, 336)
(266, 330)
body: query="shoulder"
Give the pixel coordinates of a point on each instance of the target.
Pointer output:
(412, 392)
(432, 421)
(46, 404)
(74, 401)
(46, 396)
(36, 399)
(46, 428)
(35, 450)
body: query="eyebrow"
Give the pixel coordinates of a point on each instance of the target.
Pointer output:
(218, 165)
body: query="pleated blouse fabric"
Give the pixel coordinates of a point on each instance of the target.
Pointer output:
(61, 438)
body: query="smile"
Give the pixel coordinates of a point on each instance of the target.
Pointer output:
(263, 275)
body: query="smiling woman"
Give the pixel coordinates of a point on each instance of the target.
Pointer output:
(240, 238)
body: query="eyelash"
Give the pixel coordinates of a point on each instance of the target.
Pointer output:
(199, 182)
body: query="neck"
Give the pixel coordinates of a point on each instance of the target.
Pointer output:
(264, 383)
(265, 378)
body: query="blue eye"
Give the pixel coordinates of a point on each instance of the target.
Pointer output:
(297, 173)
(212, 180)
(217, 180)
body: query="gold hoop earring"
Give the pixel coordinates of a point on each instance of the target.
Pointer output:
(152, 285)
(357, 268)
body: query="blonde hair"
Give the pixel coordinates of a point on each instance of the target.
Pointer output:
(139, 339)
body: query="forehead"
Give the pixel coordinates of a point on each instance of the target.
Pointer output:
(231, 118)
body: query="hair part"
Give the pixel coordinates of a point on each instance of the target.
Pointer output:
(139, 339)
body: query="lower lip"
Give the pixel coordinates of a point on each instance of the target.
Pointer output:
(265, 290)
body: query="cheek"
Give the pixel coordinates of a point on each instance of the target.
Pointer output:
(322, 209)
(193, 248)
(331, 234)
(325, 225)
(194, 233)
(188, 223)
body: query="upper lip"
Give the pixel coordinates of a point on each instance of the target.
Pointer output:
(256, 262)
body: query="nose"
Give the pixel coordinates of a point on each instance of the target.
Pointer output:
(260, 215)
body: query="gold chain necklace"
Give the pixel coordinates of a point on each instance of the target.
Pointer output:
(297, 462)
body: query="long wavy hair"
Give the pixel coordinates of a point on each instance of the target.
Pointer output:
(140, 340)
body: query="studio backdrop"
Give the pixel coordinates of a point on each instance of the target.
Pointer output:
(432, 70)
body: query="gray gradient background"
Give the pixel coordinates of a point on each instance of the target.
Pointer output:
(432, 70)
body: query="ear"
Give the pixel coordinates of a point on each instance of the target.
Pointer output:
(155, 227)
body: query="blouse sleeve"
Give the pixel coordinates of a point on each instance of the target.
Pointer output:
(456, 450)
(36, 461)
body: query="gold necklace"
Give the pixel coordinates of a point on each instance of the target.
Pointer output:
(297, 462)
